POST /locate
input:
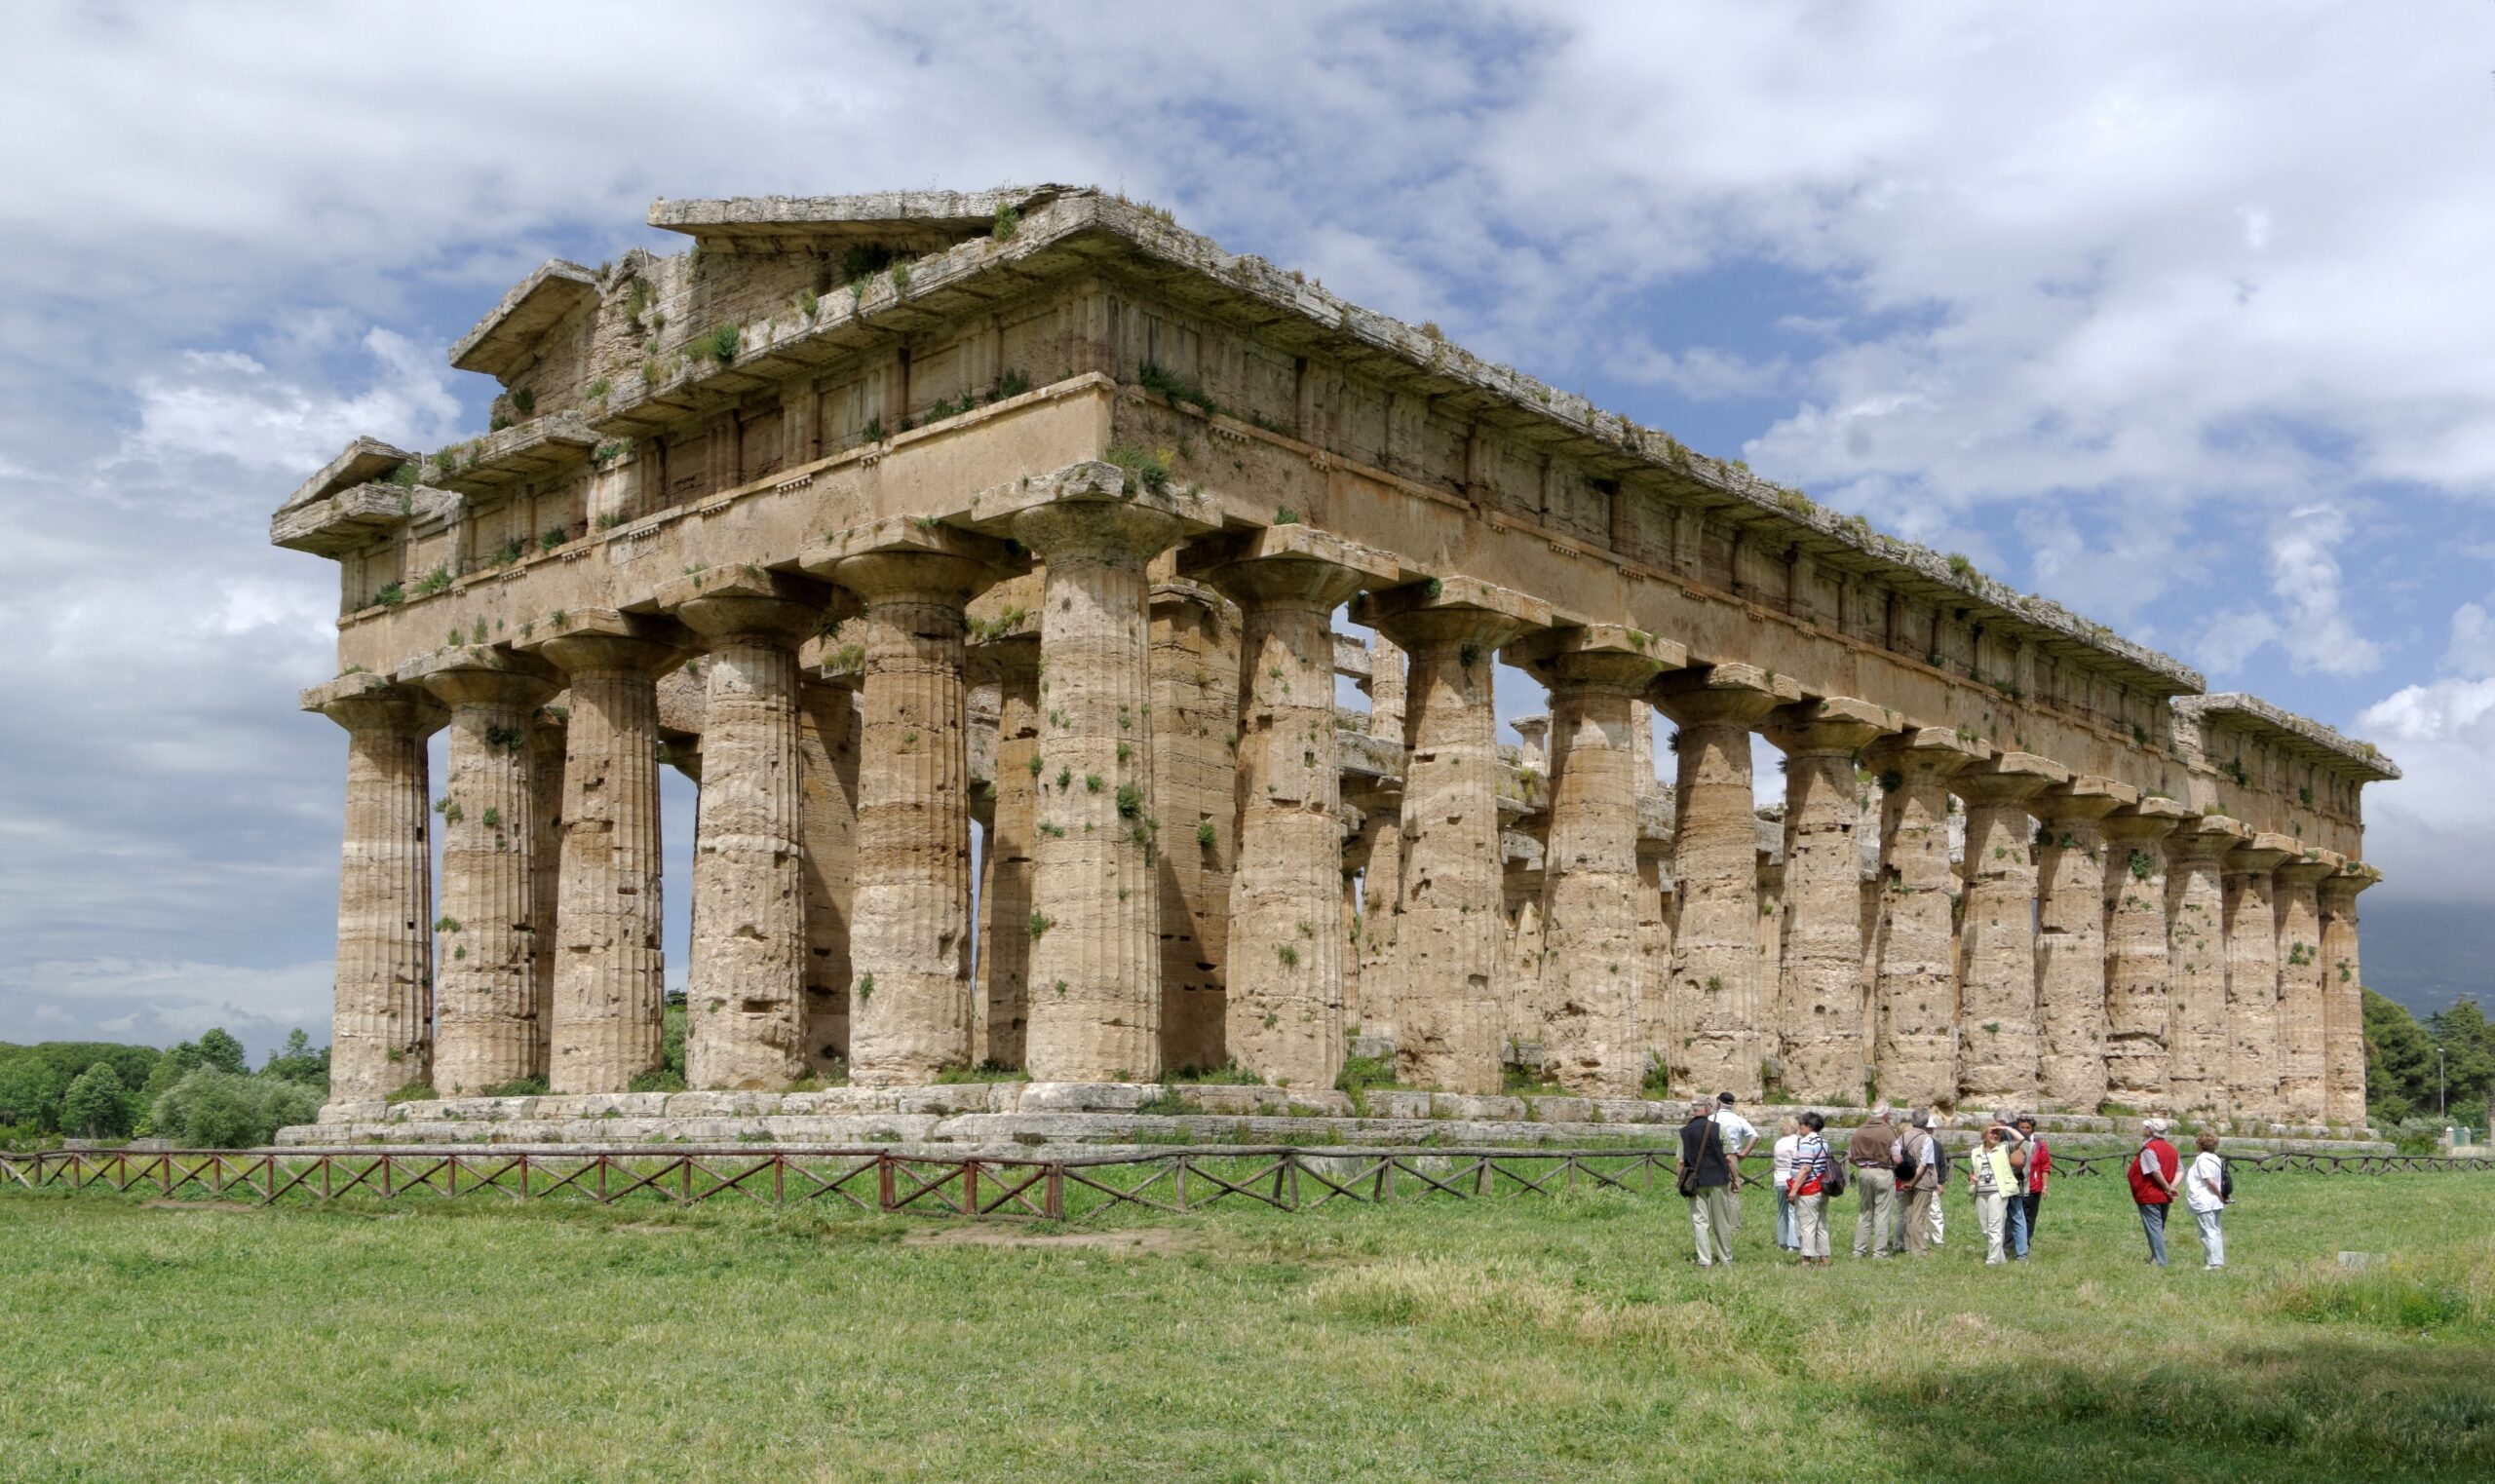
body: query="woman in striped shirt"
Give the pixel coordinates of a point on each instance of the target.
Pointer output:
(1807, 1188)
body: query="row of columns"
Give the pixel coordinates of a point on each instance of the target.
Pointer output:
(2045, 984)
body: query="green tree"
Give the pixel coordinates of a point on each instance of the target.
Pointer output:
(222, 1051)
(30, 1090)
(2400, 1060)
(297, 1062)
(96, 1105)
(212, 1109)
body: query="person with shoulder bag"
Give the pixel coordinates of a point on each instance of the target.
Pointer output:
(1705, 1176)
(1811, 1185)
(2205, 1192)
(2152, 1171)
(1991, 1181)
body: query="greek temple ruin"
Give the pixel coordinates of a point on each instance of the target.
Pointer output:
(903, 522)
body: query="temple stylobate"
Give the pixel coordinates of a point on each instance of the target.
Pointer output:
(904, 519)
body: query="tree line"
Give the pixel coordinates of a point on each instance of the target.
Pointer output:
(200, 1094)
(2404, 1080)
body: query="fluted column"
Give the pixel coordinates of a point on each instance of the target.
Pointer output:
(745, 1021)
(1381, 869)
(1823, 1047)
(1003, 991)
(1285, 1016)
(909, 931)
(1593, 1037)
(2303, 987)
(1914, 1046)
(1450, 940)
(610, 968)
(1094, 921)
(2250, 883)
(2070, 941)
(381, 1023)
(490, 1009)
(2343, 1031)
(1999, 1049)
(546, 786)
(1195, 783)
(2197, 1075)
(828, 821)
(1716, 1011)
(2140, 995)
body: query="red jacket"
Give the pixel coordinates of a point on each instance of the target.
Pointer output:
(2040, 1163)
(2168, 1164)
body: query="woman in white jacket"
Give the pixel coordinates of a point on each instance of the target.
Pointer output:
(2203, 1187)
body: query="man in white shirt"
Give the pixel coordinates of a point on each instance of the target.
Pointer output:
(1738, 1137)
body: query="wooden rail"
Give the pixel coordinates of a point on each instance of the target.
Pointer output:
(1176, 1180)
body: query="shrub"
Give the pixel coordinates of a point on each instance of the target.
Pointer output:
(212, 1109)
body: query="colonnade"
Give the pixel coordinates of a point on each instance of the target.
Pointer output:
(2084, 945)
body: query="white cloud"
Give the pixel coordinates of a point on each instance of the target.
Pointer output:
(2429, 831)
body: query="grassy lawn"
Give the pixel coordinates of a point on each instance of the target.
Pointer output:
(1511, 1341)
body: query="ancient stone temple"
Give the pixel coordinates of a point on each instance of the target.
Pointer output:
(989, 560)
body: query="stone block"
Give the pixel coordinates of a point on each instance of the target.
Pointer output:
(1085, 1097)
(1375, 1047)
(1477, 1107)
(1563, 1110)
(1397, 1104)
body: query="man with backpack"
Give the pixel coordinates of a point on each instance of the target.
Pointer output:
(2154, 1171)
(1921, 1168)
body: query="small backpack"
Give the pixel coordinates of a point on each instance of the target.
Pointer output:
(2226, 1180)
(1833, 1182)
(1907, 1169)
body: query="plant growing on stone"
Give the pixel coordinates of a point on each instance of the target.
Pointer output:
(391, 595)
(1039, 925)
(722, 344)
(1008, 222)
(1130, 801)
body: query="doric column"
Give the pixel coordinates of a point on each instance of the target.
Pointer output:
(1823, 1047)
(1654, 945)
(1001, 1002)
(828, 819)
(1385, 689)
(545, 786)
(1195, 783)
(2070, 943)
(381, 1024)
(910, 928)
(1449, 1008)
(489, 1004)
(1533, 744)
(1997, 1045)
(2343, 1031)
(2196, 947)
(2303, 986)
(1094, 921)
(1285, 1017)
(1381, 870)
(2139, 997)
(1716, 1012)
(1592, 1036)
(1914, 1047)
(2249, 881)
(745, 1002)
(610, 982)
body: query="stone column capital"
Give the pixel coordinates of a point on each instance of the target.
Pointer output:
(901, 557)
(2339, 892)
(2083, 800)
(2311, 868)
(1831, 724)
(1292, 564)
(1093, 510)
(2148, 820)
(606, 639)
(1449, 611)
(1598, 656)
(1924, 752)
(2261, 854)
(752, 605)
(2202, 840)
(483, 674)
(1727, 695)
(364, 702)
(2013, 778)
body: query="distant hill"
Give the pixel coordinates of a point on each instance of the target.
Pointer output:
(2426, 954)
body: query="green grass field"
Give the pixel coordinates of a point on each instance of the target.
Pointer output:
(1567, 1339)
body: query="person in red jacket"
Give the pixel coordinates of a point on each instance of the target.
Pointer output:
(2040, 1164)
(2155, 1170)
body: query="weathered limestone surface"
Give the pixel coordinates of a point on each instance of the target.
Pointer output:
(746, 1000)
(2303, 987)
(2343, 1048)
(1285, 1017)
(1594, 1037)
(490, 1005)
(609, 969)
(1823, 1047)
(1381, 870)
(2249, 883)
(827, 786)
(1914, 999)
(1449, 948)
(1001, 1002)
(1094, 923)
(381, 1035)
(2140, 989)
(546, 733)
(1716, 1011)
(1195, 782)
(909, 1009)
(1999, 1049)
(2071, 961)
(2197, 1044)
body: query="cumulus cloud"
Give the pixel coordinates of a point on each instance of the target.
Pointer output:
(2429, 833)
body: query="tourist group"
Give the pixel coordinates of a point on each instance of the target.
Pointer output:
(1899, 1176)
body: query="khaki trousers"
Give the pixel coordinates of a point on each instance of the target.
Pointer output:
(1710, 1215)
(1878, 1213)
(1920, 1205)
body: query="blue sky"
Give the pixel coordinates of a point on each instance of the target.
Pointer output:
(2185, 317)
